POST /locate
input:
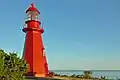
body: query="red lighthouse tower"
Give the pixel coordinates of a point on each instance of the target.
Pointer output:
(33, 48)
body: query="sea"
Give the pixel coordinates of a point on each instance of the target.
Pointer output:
(110, 74)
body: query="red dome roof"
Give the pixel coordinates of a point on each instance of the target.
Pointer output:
(32, 8)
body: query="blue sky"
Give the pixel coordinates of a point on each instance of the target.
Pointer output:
(79, 34)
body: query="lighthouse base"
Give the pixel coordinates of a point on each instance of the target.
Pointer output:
(41, 78)
(40, 75)
(36, 75)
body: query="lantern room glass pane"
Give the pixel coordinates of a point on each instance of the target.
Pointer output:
(32, 15)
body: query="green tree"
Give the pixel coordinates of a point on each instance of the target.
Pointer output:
(1, 63)
(12, 67)
(74, 75)
(87, 74)
(103, 78)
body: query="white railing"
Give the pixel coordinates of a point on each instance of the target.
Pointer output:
(25, 26)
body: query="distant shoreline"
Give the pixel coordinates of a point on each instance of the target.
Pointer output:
(110, 74)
